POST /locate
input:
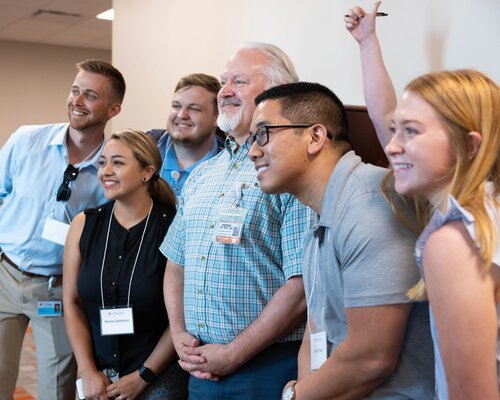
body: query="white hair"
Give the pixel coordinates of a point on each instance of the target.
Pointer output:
(281, 69)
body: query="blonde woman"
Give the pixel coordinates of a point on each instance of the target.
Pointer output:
(443, 141)
(113, 279)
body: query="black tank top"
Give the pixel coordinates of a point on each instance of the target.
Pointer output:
(124, 353)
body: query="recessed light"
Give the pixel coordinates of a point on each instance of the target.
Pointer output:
(109, 15)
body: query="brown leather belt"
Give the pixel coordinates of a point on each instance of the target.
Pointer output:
(4, 257)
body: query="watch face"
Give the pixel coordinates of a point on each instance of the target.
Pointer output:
(146, 374)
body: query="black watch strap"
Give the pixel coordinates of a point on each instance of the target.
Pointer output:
(146, 374)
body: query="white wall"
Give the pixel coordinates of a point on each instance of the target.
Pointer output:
(155, 42)
(35, 80)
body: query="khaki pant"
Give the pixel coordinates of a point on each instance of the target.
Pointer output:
(56, 366)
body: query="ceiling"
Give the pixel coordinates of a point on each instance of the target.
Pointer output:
(57, 22)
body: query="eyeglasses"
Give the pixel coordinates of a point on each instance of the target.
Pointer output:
(64, 191)
(261, 135)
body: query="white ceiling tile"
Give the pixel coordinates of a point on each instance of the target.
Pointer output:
(16, 23)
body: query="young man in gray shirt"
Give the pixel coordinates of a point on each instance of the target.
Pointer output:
(364, 338)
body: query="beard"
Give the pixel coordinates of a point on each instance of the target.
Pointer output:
(190, 139)
(229, 122)
(82, 124)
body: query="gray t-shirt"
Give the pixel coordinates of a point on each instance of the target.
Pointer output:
(358, 254)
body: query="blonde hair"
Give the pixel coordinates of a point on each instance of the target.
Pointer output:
(146, 152)
(467, 101)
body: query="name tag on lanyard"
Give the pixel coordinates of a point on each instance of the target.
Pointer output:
(229, 225)
(117, 321)
(318, 350)
(55, 231)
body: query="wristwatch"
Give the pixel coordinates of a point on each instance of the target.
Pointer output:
(146, 374)
(289, 393)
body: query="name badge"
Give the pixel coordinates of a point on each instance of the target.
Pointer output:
(318, 349)
(229, 225)
(51, 308)
(55, 231)
(117, 321)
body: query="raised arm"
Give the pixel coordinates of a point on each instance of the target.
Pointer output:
(94, 382)
(378, 90)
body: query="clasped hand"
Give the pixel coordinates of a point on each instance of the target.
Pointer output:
(209, 361)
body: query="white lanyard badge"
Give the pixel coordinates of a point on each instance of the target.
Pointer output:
(119, 320)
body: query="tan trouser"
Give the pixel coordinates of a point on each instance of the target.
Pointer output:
(55, 362)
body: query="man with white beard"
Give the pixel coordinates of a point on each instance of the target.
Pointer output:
(233, 285)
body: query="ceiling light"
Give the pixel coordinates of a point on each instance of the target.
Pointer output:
(109, 15)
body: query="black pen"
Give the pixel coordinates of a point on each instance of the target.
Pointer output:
(379, 14)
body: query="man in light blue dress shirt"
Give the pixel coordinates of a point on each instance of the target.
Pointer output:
(48, 174)
(192, 135)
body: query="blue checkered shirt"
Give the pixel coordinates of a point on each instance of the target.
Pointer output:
(227, 286)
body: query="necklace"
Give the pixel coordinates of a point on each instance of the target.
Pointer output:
(92, 152)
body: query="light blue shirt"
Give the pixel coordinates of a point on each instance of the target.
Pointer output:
(171, 171)
(32, 164)
(455, 212)
(227, 286)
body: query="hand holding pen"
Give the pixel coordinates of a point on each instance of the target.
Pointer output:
(379, 14)
(360, 24)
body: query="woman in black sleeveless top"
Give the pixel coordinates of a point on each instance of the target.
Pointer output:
(113, 279)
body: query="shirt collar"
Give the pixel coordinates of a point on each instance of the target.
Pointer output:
(60, 140)
(172, 164)
(60, 137)
(336, 184)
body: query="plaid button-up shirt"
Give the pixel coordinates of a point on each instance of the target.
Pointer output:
(227, 286)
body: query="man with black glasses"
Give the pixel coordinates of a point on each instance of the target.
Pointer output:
(364, 337)
(48, 174)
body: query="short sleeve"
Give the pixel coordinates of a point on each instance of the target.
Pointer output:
(376, 253)
(173, 245)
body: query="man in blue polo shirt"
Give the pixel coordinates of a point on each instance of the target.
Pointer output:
(48, 174)
(192, 135)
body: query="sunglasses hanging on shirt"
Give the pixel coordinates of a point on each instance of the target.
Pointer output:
(64, 191)
(70, 174)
